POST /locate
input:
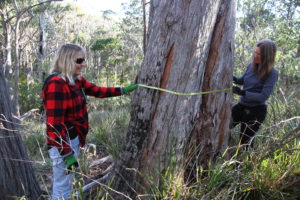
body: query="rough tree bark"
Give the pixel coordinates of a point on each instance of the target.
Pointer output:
(17, 177)
(190, 48)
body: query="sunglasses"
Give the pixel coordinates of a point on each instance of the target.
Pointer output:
(79, 60)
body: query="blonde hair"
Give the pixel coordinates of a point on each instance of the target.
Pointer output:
(64, 62)
(267, 55)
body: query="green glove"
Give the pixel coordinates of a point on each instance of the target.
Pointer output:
(130, 88)
(71, 163)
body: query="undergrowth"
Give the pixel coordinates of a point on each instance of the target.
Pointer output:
(269, 171)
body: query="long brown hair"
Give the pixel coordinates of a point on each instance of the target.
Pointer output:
(267, 54)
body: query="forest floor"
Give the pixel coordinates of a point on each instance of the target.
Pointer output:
(84, 174)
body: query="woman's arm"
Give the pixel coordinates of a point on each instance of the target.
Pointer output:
(266, 90)
(100, 92)
(240, 80)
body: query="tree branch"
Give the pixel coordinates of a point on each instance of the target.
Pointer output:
(20, 13)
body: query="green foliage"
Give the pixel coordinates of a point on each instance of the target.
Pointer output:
(276, 20)
(107, 44)
(108, 130)
(131, 35)
(285, 103)
(110, 51)
(34, 138)
(30, 95)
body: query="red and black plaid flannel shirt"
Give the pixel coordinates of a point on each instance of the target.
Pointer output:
(66, 110)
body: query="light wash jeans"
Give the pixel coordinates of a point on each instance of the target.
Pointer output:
(62, 183)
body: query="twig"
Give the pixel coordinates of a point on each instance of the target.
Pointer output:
(22, 160)
(283, 121)
(291, 150)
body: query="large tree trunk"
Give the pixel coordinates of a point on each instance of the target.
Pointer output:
(210, 132)
(190, 48)
(17, 177)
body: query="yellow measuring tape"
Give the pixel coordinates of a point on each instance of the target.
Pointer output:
(184, 94)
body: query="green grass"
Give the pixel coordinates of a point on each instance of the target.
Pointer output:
(108, 130)
(244, 177)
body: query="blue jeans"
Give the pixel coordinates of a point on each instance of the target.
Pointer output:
(62, 183)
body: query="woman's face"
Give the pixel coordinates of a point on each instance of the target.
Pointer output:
(80, 63)
(257, 57)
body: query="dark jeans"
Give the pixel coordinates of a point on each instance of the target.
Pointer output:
(250, 118)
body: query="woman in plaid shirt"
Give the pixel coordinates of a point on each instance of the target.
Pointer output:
(64, 96)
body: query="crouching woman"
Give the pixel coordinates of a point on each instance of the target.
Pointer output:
(258, 82)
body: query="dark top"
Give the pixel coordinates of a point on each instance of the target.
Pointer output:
(257, 90)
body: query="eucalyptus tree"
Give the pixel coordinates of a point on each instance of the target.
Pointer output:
(131, 35)
(13, 15)
(108, 53)
(190, 48)
(287, 35)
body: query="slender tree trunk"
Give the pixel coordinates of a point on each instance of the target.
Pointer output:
(298, 49)
(116, 73)
(16, 177)
(1, 53)
(132, 61)
(190, 48)
(145, 26)
(15, 99)
(7, 44)
(43, 36)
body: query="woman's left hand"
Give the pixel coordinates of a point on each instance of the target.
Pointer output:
(238, 91)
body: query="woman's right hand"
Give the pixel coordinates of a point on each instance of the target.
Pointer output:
(234, 80)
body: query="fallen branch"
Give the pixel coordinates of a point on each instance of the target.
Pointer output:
(102, 160)
(28, 114)
(105, 174)
(97, 182)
